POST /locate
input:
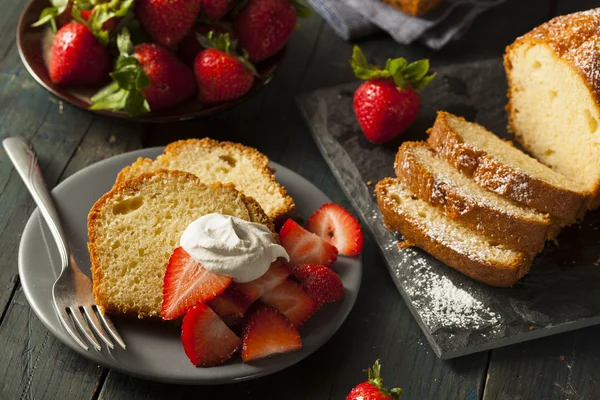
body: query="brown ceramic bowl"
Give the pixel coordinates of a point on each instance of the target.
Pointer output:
(34, 48)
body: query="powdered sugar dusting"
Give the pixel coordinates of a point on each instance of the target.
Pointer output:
(442, 303)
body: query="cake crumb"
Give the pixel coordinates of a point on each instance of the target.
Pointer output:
(531, 327)
(405, 244)
(112, 139)
(561, 358)
(369, 183)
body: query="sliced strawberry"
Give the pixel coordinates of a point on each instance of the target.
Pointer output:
(335, 224)
(187, 283)
(321, 283)
(253, 290)
(206, 339)
(292, 301)
(230, 306)
(267, 332)
(305, 247)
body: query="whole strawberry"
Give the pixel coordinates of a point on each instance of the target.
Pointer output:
(78, 58)
(146, 77)
(388, 102)
(221, 74)
(167, 21)
(264, 26)
(190, 46)
(373, 388)
(216, 9)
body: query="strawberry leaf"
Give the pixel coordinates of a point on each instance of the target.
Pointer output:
(423, 82)
(417, 70)
(49, 14)
(362, 69)
(129, 78)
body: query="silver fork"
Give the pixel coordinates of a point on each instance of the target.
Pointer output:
(72, 291)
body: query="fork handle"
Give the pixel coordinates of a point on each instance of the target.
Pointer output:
(24, 159)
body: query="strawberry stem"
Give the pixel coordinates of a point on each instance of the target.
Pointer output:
(375, 379)
(398, 69)
(129, 78)
(49, 14)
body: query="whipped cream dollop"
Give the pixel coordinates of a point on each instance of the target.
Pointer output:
(231, 246)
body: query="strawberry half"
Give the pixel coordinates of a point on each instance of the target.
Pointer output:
(188, 283)
(253, 290)
(206, 339)
(321, 283)
(335, 224)
(230, 306)
(305, 247)
(293, 301)
(267, 332)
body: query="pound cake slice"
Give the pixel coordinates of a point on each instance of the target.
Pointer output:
(497, 165)
(430, 177)
(454, 244)
(226, 162)
(134, 228)
(554, 95)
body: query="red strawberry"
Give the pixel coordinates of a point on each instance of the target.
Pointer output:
(290, 299)
(335, 224)
(321, 283)
(305, 247)
(388, 102)
(275, 275)
(190, 46)
(146, 78)
(167, 21)
(216, 9)
(221, 74)
(264, 26)
(206, 339)
(373, 388)
(187, 283)
(230, 306)
(267, 332)
(78, 58)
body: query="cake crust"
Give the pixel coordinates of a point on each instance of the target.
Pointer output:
(480, 270)
(528, 235)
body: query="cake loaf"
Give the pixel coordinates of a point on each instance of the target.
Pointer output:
(554, 93)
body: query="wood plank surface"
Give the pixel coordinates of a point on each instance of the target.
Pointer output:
(34, 365)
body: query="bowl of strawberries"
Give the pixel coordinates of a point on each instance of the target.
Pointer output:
(155, 60)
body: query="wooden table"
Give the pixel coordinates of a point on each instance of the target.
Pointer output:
(35, 365)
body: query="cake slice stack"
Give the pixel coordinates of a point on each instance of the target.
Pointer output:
(475, 202)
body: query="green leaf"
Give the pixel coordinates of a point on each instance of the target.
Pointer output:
(416, 70)
(423, 82)
(362, 69)
(46, 15)
(60, 5)
(105, 91)
(123, 9)
(124, 43)
(302, 10)
(136, 103)
(396, 66)
(114, 101)
(85, 5)
(126, 78)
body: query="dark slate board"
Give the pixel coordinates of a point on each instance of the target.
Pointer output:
(458, 315)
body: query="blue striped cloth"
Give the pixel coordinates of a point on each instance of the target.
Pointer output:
(353, 19)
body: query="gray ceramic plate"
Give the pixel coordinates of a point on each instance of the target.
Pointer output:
(154, 350)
